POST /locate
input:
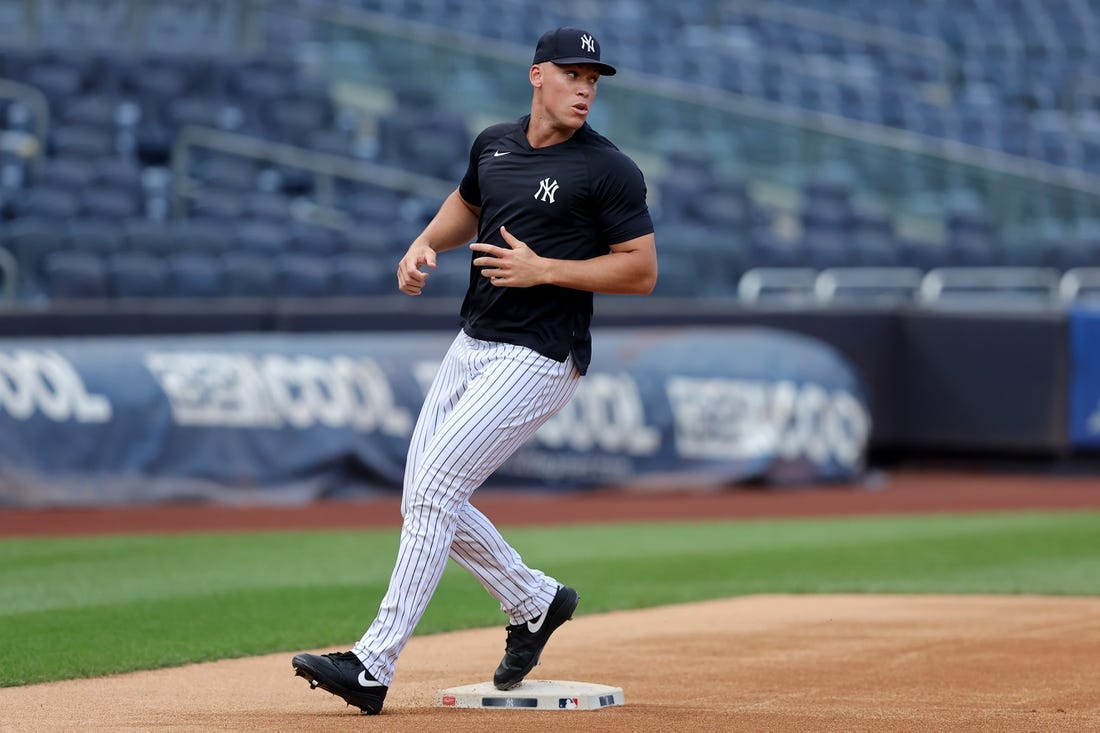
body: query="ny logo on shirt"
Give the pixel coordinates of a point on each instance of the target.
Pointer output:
(547, 189)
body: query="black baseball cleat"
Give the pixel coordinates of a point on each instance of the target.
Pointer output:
(342, 674)
(526, 640)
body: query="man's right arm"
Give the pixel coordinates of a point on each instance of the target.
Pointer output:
(453, 225)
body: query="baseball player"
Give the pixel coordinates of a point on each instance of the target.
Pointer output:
(559, 213)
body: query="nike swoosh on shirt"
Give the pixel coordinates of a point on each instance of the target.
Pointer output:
(497, 154)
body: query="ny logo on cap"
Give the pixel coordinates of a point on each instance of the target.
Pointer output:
(588, 43)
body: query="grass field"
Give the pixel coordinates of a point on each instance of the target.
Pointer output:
(89, 606)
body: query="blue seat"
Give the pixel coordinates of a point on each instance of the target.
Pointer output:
(227, 172)
(292, 118)
(261, 237)
(109, 203)
(363, 275)
(83, 141)
(678, 277)
(873, 241)
(70, 174)
(367, 237)
(248, 275)
(828, 246)
(136, 275)
(217, 204)
(197, 235)
(57, 82)
(120, 173)
(93, 110)
(207, 111)
(317, 240)
(148, 236)
(47, 203)
(267, 206)
(972, 239)
(371, 204)
(100, 236)
(725, 205)
(1067, 252)
(30, 240)
(192, 275)
(330, 140)
(74, 275)
(303, 276)
(921, 254)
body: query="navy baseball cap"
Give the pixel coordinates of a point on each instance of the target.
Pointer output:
(571, 46)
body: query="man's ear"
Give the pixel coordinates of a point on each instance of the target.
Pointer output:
(536, 76)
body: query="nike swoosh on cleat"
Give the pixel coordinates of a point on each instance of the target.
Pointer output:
(497, 154)
(534, 627)
(364, 682)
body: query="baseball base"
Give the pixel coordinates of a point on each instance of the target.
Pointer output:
(532, 695)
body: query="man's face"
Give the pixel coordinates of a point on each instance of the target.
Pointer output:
(568, 92)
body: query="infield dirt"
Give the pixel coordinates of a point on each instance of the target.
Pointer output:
(758, 663)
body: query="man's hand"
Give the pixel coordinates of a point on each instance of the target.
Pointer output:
(516, 266)
(410, 278)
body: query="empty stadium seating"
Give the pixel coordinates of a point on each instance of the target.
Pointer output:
(106, 184)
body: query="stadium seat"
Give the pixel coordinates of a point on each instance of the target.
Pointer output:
(211, 236)
(47, 203)
(363, 275)
(84, 141)
(227, 172)
(248, 275)
(97, 235)
(136, 275)
(69, 174)
(191, 275)
(303, 276)
(120, 173)
(105, 202)
(367, 237)
(58, 82)
(92, 110)
(74, 275)
(261, 237)
(265, 206)
(30, 241)
(147, 236)
(316, 240)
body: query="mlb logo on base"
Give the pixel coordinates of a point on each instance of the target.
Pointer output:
(568, 703)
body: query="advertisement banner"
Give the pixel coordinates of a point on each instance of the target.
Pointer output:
(253, 418)
(1084, 387)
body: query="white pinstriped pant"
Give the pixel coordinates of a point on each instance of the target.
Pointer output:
(486, 401)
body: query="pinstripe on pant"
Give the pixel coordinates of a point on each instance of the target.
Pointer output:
(486, 401)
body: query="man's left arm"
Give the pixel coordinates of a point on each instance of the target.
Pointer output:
(630, 268)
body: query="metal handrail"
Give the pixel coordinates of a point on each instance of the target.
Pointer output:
(323, 165)
(12, 89)
(988, 280)
(9, 267)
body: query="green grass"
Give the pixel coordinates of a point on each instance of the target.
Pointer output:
(78, 607)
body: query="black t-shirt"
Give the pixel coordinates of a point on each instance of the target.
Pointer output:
(568, 201)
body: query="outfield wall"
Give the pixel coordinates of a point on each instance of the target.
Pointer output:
(288, 418)
(966, 382)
